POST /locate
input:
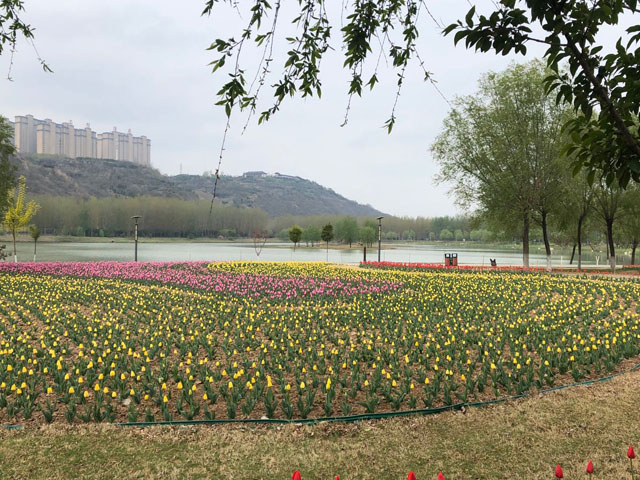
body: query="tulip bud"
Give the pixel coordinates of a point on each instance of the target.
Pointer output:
(590, 467)
(559, 473)
(630, 453)
(440, 476)
(296, 475)
(412, 476)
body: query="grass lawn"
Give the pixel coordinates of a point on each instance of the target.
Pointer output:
(520, 440)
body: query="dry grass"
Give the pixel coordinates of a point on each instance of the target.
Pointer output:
(521, 440)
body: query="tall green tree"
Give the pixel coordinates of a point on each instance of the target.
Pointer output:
(34, 231)
(18, 213)
(347, 230)
(500, 148)
(327, 235)
(295, 234)
(367, 235)
(311, 235)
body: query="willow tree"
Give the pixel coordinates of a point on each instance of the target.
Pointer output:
(18, 212)
(500, 149)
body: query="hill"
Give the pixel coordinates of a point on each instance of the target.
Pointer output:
(276, 194)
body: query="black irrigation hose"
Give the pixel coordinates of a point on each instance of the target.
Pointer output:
(362, 417)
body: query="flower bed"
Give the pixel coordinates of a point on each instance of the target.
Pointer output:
(167, 341)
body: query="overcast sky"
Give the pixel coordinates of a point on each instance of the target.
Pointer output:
(142, 64)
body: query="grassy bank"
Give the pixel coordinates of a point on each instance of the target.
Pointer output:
(524, 439)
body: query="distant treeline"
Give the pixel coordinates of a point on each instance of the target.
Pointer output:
(161, 217)
(393, 228)
(171, 217)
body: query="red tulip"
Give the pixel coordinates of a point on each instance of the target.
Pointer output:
(630, 453)
(440, 476)
(296, 475)
(590, 467)
(337, 477)
(559, 473)
(412, 476)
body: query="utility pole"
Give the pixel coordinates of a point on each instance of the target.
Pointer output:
(135, 235)
(379, 236)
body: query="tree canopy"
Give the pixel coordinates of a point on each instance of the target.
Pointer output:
(7, 169)
(500, 149)
(601, 86)
(598, 80)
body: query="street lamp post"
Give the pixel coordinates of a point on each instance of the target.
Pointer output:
(135, 235)
(379, 236)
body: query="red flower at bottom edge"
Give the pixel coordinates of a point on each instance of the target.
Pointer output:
(590, 467)
(559, 473)
(412, 476)
(440, 476)
(296, 475)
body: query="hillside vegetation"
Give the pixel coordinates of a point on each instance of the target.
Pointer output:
(276, 195)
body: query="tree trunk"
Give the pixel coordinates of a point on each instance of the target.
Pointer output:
(545, 237)
(35, 248)
(573, 253)
(580, 221)
(612, 248)
(633, 251)
(15, 252)
(525, 240)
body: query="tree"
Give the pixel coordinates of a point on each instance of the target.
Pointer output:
(602, 87)
(347, 230)
(500, 149)
(445, 235)
(259, 239)
(311, 235)
(608, 207)
(7, 169)
(18, 214)
(295, 233)
(367, 235)
(631, 219)
(327, 235)
(408, 235)
(577, 198)
(34, 231)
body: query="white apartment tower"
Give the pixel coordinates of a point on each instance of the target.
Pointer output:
(47, 137)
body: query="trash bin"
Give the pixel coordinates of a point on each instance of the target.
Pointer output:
(450, 259)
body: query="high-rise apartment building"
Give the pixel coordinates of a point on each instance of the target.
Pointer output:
(47, 137)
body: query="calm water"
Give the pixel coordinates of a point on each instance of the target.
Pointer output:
(79, 251)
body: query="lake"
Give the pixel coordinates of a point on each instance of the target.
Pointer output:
(182, 251)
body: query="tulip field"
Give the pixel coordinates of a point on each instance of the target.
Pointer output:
(148, 342)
